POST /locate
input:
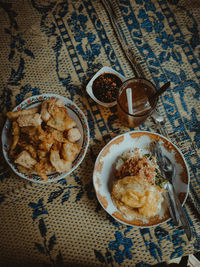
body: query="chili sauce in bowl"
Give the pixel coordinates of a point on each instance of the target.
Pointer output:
(104, 86)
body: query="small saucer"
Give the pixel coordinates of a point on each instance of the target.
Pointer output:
(89, 85)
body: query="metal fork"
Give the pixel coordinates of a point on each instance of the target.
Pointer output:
(162, 164)
(168, 171)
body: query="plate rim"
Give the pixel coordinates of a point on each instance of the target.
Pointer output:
(144, 132)
(86, 139)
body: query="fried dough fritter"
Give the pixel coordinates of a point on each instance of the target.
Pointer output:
(44, 111)
(39, 139)
(29, 120)
(16, 135)
(24, 159)
(73, 135)
(60, 122)
(43, 167)
(59, 164)
(13, 115)
(69, 151)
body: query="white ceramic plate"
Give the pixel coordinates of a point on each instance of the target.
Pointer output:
(74, 112)
(89, 85)
(103, 176)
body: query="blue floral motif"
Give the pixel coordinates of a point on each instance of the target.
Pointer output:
(38, 208)
(121, 246)
(158, 24)
(166, 40)
(193, 29)
(181, 87)
(48, 244)
(24, 90)
(78, 24)
(146, 23)
(55, 39)
(178, 243)
(17, 46)
(151, 246)
(149, 6)
(18, 52)
(17, 76)
(194, 126)
(62, 9)
(104, 258)
(64, 191)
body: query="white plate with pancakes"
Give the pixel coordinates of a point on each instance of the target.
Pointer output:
(104, 177)
(74, 113)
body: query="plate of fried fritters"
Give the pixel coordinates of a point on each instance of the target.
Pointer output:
(128, 181)
(45, 138)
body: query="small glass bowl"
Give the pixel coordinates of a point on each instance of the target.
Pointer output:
(89, 85)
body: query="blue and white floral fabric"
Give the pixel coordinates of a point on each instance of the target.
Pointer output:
(55, 47)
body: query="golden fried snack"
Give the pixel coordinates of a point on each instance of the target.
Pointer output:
(59, 164)
(42, 154)
(69, 123)
(44, 111)
(48, 108)
(136, 197)
(16, 133)
(60, 120)
(53, 104)
(40, 141)
(31, 150)
(29, 120)
(56, 146)
(13, 115)
(24, 159)
(43, 168)
(73, 135)
(59, 103)
(69, 151)
(46, 141)
(57, 135)
(24, 170)
(32, 135)
(61, 124)
(29, 130)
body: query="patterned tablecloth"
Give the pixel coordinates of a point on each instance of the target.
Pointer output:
(55, 47)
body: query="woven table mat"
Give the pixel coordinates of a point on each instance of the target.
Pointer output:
(56, 47)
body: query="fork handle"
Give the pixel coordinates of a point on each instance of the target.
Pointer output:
(182, 216)
(172, 204)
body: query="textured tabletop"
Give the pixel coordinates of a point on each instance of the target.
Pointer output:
(56, 47)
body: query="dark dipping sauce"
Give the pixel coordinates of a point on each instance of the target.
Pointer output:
(105, 87)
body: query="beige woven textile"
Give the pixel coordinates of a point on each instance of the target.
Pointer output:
(55, 47)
